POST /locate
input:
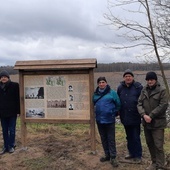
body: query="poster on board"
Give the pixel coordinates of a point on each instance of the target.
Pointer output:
(57, 96)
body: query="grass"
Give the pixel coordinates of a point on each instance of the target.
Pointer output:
(67, 132)
(38, 163)
(167, 140)
(81, 129)
(120, 137)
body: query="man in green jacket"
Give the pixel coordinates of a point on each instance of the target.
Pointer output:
(152, 105)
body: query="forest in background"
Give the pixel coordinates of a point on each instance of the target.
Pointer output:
(121, 67)
(111, 67)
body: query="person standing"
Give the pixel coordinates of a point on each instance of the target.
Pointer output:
(152, 105)
(9, 109)
(129, 91)
(106, 104)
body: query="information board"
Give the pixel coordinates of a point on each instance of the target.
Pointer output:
(57, 96)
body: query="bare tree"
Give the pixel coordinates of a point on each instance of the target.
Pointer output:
(134, 23)
(162, 16)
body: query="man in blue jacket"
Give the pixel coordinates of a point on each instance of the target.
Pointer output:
(129, 91)
(9, 109)
(107, 104)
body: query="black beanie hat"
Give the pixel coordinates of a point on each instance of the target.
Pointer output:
(4, 73)
(151, 76)
(128, 71)
(100, 79)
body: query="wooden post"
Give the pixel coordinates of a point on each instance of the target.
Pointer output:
(92, 117)
(22, 116)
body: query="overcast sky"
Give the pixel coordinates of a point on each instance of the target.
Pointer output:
(56, 29)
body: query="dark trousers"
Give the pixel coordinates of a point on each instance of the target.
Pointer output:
(107, 134)
(133, 140)
(155, 141)
(8, 129)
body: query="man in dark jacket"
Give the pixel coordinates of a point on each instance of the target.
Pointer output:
(129, 91)
(152, 106)
(9, 109)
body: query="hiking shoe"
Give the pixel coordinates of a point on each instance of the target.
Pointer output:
(105, 158)
(137, 160)
(114, 162)
(151, 167)
(11, 150)
(128, 156)
(4, 150)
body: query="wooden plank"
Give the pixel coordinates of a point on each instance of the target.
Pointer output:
(75, 121)
(54, 67)
(55, 64)
(55, 72)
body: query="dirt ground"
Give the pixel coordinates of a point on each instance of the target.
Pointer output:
(55, 150)
(52, 148)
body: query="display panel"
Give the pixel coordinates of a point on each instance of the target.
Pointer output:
(57, 96)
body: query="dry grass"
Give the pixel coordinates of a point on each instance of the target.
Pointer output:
(67, 147)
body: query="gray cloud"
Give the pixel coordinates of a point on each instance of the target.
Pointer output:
(54, 29)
